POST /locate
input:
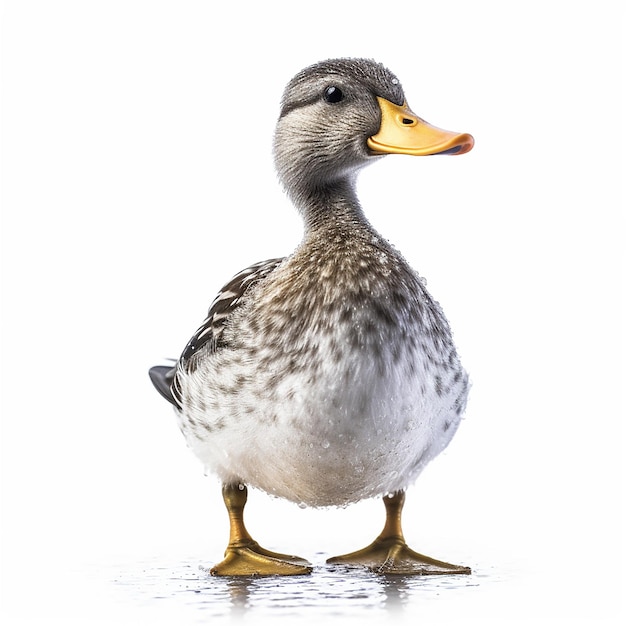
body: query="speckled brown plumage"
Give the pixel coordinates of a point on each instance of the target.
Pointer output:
(331, 375)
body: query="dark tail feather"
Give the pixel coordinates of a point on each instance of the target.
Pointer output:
(162, 377)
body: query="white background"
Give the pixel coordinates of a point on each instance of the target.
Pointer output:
(137, 178)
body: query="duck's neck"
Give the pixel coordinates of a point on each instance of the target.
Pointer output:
(332, 208)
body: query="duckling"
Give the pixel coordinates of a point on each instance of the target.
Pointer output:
(328, 376)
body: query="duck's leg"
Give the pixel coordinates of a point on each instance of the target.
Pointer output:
(389, 553)
(244, 556)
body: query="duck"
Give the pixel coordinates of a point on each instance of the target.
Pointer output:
(329, 376)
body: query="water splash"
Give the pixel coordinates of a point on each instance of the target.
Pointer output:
(348, 594)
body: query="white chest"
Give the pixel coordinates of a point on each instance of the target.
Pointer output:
(328, 421)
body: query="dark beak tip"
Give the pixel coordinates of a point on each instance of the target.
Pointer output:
(454, 150)
(461, 148)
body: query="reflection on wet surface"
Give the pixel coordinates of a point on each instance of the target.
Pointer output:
(330, 591)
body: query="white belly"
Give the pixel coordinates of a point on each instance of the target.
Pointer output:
(328, 429)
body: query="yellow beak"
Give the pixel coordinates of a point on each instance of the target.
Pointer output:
(402, 132)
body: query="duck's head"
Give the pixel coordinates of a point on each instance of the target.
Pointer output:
(339, 115)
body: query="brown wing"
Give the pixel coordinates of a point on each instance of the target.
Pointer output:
(209, 335)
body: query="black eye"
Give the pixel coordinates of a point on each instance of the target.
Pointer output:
(333, 95)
